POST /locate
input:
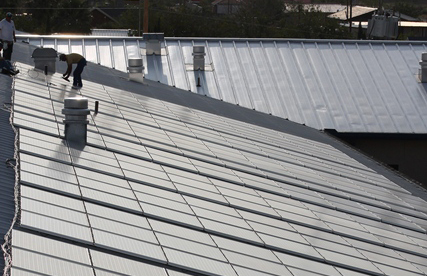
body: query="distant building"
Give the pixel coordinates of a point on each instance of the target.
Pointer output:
(358, 13)
(226, 6)
(413, 30)
(361, 13)
(298, 1)
(323, 8)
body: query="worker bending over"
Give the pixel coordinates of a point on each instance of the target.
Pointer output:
(77, 74)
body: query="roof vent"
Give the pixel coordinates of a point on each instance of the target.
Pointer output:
(199, 58)
(423, 70)
(153, 43)
(136, 69)
(45, 59)
(76, 111)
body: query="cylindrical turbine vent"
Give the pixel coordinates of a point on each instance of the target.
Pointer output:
(76, 111)
(136, 69)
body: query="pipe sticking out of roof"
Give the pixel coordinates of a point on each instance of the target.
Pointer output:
(76, 111)
(199, 58)
(136, 70)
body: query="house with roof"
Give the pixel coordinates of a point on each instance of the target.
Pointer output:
(362, 13)
(406, 27)
(223, 168)
(413, 30)
(226, 6)
(323, 8)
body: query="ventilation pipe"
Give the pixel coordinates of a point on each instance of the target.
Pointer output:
(423, 70)
(76, 111)
(136, 69)
(199, 58)
(153, 43)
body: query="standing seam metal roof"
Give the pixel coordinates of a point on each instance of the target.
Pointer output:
(165, 187)
(349, 86)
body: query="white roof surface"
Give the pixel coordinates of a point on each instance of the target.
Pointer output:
(349, 86)
(171, 183)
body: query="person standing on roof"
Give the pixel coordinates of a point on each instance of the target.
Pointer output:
(81, 63)
(5, 65)
(7, 35)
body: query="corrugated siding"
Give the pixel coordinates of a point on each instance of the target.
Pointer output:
(350, 86)
(7, 175)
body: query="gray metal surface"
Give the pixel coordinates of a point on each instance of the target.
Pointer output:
(216, 208)
(350, 86)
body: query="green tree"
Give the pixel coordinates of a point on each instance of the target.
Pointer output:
(407, 8)
(259, 18)
(10, 6)
(255, 18)
(369, 3)
(60, 16)
(311, 23)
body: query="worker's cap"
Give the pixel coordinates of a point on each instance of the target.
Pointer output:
(9, 14)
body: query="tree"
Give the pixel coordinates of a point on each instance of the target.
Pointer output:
(311, 23)
(60, 16)
(407, 9)
(259, 18)
(10, 5)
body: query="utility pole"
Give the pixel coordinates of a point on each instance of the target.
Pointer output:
(146, 16)
(139, 18)
(351, 14)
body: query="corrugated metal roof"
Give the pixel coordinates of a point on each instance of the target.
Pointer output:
(173, 183)
(349, 86)
(356, 11)
(7, 174)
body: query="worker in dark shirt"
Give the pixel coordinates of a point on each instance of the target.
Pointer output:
(81, 63)
(5, 65)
